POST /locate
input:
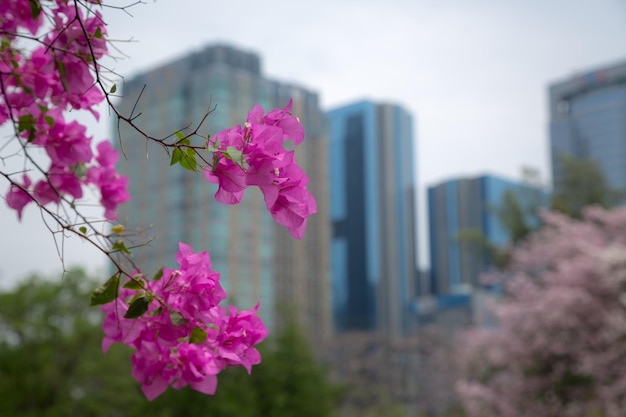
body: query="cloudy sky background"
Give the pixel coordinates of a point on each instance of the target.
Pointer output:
(474, 74)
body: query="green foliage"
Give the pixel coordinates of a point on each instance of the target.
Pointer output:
(107, 292)
(158, 275)
(474, 242)
(50, 357)
(35, 8)
(138, 305)
(294, 384)
(197, 335)
(478, 247)
(120, 246)
(582, 184)
(183, 154)
(26, 123)
(136, 283)
(234, 154)
(453, 411)
(51, 365)
(518, 220)
(517, 214)
(287, 383)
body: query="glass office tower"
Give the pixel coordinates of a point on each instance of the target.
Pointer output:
(463, 222)
(373, 216)
(588, 120)
(258, 259)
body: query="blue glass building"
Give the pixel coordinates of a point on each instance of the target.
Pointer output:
(463, 222)
(588, 120)
(372, 200)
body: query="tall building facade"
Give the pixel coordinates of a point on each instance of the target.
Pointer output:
(463, 222)
(588, 120)
(258, 259)
(373, 216)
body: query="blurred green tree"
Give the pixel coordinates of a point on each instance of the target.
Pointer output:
(288, 382)
(50, 361)
(519, 219)
(582, 184)
(51, 365)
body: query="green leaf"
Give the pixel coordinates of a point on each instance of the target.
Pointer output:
(157, 312)
(114, 88)
(234, 154)
(120, 246)
(177, 318)
(63, 74)
(49, 120)
(83, 229)
(212, 147)
(138, 307)
(158, 275)
(35, 8)
(188, 160)
(98, 34)
(176, 156)
(80, 169)
(25, 122)
(216, 161)
(107, 292)
(136, 283)
(197, 335)
(180, 135)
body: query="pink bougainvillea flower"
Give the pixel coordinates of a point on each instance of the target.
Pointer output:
(231, 180)
(185, 337)
(290, 125)
(254, 154)
(68, 143)
(44, 81)
(113, 186)
(18, 13)
(194, 289)
(239, 332)
(17, 198)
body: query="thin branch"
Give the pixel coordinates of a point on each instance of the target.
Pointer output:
(68, 217)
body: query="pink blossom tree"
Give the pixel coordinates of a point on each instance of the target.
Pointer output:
(50, 64)
(559, 348)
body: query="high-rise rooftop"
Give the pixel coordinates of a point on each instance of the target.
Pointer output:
(588, 120)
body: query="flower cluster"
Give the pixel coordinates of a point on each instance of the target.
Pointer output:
(254, 154)
(39, 84)
(113, 186)
(180, 333)
(49, 65)
(559, 345)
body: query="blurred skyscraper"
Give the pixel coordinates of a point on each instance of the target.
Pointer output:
(257, 258)
(464, 224)
(373, 215)
(588, 120)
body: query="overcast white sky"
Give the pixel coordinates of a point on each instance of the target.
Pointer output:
(474, 74)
